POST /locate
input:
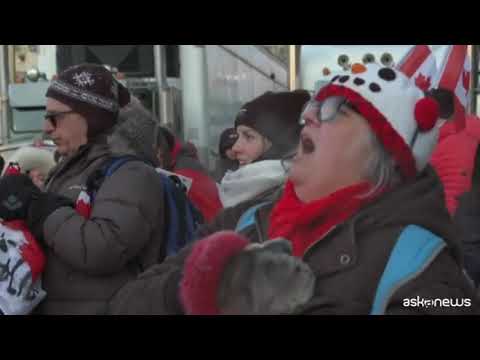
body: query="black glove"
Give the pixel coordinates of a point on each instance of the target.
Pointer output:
(42, 205)
(16, 193)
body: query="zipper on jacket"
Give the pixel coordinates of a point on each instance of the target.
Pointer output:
(317, 241)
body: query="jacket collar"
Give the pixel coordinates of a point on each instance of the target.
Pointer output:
(419, 202)
(86, 154)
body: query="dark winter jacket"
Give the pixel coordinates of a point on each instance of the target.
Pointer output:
(467, 218)
(348, 262)
(89, 260)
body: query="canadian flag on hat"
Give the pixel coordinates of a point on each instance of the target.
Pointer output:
(454, 75)
(419, 64)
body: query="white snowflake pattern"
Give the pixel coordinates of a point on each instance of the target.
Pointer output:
(83, 79)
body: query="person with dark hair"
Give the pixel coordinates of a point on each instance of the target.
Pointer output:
(181, 158)
(94, 242)
(227, 160)
(360, 227)
(2, 164)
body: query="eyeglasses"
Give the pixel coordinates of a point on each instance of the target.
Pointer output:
(326, 110)
(52, 116)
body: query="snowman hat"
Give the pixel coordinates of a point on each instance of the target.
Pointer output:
(405, 119)
(29, 158)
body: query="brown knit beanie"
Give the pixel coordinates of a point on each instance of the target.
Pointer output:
(92, 91)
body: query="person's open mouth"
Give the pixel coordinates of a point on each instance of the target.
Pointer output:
(307, 144)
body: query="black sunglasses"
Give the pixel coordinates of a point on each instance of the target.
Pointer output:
(52, 116)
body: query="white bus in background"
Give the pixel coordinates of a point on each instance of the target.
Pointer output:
(196, 90)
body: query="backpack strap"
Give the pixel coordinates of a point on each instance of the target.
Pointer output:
(106, 169)
(171, 217)
(117, 162)
(181, 218)
(415, 250)
(248, 217)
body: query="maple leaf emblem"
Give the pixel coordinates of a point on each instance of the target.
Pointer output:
(422, 82)
(466, 80)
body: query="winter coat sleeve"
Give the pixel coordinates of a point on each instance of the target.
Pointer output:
(467, 218)
(125, 213)
(155, 292)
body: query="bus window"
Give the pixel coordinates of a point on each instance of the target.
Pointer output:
(30, 69)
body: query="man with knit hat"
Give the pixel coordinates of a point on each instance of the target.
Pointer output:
(90, 254)
(362, 211)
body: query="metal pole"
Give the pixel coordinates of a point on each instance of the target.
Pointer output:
(292, 69)
(160, 77)
(3, 97)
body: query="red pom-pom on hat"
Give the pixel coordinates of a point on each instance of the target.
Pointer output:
(427, 112)
(203, 271)
(13, 169)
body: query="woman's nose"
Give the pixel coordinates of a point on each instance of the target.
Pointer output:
(311, 120)
(237, 147)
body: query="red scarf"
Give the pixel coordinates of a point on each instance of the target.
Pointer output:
(303, 224)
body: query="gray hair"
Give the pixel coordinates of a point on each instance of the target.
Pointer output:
(382, 169)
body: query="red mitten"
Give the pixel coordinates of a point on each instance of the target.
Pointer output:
(203, 270)
(224, 274)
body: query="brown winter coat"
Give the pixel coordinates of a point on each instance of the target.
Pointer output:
(89, 260)
(348, 262)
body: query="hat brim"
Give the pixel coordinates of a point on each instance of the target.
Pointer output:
(394, 144)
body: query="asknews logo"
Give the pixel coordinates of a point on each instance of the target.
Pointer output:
(447, 302)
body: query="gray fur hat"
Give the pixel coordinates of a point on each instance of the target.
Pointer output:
(136, 133)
